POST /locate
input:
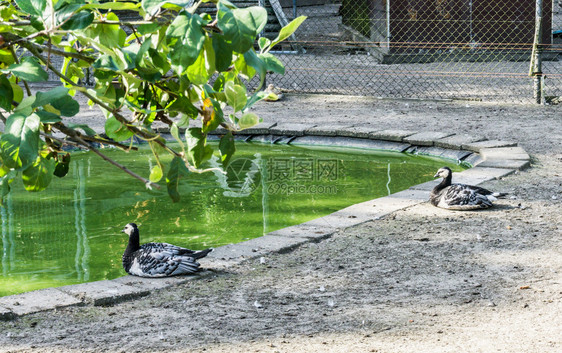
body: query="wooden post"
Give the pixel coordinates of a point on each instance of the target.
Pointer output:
(536, 55)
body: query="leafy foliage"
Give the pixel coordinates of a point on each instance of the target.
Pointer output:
(174, 64)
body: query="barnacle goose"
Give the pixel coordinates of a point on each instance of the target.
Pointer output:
(158, 259)
(460, 196)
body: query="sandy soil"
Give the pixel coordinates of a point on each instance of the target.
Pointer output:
(420, 280)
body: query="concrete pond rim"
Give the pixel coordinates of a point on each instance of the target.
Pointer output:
(490, 159)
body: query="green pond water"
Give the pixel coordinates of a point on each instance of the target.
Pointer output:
(71, 233)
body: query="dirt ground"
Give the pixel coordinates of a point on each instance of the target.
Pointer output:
(420, 280)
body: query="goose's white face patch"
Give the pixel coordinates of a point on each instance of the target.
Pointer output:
(443, 173)
(128, 229)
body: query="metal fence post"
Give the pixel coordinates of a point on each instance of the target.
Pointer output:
(536, 56)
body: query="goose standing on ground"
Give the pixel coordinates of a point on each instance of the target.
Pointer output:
(158, 259)
(460, 196)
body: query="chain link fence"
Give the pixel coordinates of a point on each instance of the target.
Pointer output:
(429, 49)
(432, 49)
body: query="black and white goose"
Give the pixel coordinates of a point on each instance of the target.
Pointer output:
(158, 259)
(460, 196)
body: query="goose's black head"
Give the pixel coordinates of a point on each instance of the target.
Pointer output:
(444, 172)
(130, 229)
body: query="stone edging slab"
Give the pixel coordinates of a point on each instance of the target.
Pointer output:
(491, 159)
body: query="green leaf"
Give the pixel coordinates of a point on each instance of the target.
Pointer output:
(39, 175)
(185, 36)
(243, 68)
(48, 117)
(6, 56)
(18, 92)
(202, 69)
(152, 6)
(254, 61)
(159, 60)
(48, 97)
(263, 43)
(212, 115)
(148, 28)
(223, 53)
(57, 98)
(64, 11)
(272, 63)
(29, 70)
(227, 148)
(32, 7)
(288, 30)
(256, 97)
(132, 54)
(117, 131)
(248, 120)
(155, 174)
(235, 95)
(78, 21)
(176, 170)
(110, 36)
(174, 131)
(241, 26)
(107, 62)
(184, 106)
(62, 164)
(117, 5)
(67, 106)
(6, 93)
(20, 141)
(150, 75)
(25, 106)
(197, 149)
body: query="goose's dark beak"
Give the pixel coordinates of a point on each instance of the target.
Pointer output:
(436, 175)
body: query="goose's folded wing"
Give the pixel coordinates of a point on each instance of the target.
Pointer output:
(463, 195)
(159, 264)
(167, 249)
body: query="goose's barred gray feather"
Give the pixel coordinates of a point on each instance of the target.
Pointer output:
(460, 196)
(158, 259)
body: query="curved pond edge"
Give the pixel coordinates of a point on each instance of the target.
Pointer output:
(491, 159)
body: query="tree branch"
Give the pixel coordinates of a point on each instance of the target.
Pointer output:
(109, 142)
(116, 114)
(79, 142)
(11, 38)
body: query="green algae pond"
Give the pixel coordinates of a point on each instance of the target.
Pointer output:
(71, 232)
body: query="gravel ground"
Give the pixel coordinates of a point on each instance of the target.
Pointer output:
(423, 279)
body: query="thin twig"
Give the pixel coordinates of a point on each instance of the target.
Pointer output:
(110, 142)
(63, 141)
(79, 142)
(66, 54)
(69, 132)
(146, 182)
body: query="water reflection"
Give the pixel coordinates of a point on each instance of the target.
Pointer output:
(241, 177)
(70, 233)
(81, 259)
(8, 242)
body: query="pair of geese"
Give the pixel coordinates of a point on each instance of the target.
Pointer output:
(164, 260)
